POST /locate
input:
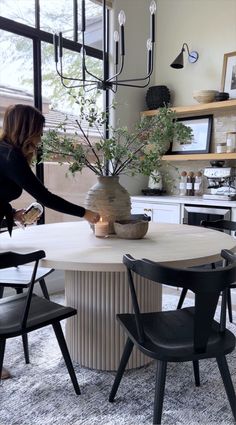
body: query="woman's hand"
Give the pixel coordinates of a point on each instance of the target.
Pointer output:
(19, 216)
(91, 216)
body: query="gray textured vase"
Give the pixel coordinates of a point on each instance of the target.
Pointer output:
(110, 199)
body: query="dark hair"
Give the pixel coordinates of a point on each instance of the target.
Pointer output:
(21, 124)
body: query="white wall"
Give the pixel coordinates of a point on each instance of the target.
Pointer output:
(131, 101)
(207, 26)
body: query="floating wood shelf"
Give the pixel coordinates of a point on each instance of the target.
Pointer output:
(200, 157)
(200, 108)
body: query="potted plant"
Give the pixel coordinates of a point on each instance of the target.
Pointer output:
(124, 152)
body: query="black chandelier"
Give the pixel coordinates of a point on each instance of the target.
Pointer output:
(88, 80)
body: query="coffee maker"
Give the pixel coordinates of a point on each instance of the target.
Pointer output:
(221, 183)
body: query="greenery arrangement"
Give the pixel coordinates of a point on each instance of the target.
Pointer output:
(128, 152)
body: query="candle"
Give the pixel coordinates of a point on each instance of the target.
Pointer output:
(101, 228)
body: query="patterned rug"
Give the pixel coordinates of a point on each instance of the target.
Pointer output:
(41, 393)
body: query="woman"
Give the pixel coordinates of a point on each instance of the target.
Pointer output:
(21, 135)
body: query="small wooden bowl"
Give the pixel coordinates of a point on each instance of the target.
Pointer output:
(131, 229)
(205, 96)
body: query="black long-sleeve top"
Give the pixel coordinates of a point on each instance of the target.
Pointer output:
(16, 176)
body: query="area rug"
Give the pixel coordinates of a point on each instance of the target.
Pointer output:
(42, 394)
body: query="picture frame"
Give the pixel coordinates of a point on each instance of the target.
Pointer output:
(228, 79)
(202, 132)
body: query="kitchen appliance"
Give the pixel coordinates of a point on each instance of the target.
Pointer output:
(221, 183)
(194, 214)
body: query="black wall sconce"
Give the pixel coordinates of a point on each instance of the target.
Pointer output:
(178, 63)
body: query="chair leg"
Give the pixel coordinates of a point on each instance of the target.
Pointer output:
(181, 298)
(123, 362)
(226, 377)
(26, 348)
(159, 391)
(44, 289)
(24, 336)
(2, 351)
(196, 372)
(1, 291)
(223, 311)
(229, 303)
(65, 352)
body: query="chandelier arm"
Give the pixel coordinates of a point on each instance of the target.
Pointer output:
(130, 80)
(92, 75)
(74, 86)
(90, 89)
(136, 79)
(142, 78)
(114, 90)
(74, 79)
(119, 72)
(133, 85)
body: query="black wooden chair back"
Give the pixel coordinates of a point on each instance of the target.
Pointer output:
(206, 285)
(26, 312)
(18, 278)
(229, 256)
(222, 226)
(219, 224)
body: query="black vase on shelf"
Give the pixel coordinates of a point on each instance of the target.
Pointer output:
(157, 97)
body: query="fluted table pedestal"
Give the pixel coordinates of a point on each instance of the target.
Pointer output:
(95, 338)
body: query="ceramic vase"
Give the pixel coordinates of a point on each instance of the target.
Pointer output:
(110, 199)
(157, 97)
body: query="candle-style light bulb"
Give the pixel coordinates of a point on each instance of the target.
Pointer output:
(153, 7)
(116, 36)
(121, 18)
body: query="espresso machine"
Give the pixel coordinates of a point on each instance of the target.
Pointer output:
(221, 183)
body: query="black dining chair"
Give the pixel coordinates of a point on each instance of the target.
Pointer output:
(188, 334)
(221, 225)
(19, 278)
(26, 312)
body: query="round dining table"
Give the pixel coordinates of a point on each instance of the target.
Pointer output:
(96, 279)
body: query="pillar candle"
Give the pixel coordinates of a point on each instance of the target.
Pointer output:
(101, 229)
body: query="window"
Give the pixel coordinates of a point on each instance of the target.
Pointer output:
(26, 47)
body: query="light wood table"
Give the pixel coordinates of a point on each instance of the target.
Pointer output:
(95, 278)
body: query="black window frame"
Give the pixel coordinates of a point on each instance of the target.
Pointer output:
(37, 36)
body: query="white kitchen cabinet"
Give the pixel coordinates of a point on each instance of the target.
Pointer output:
(159, 213)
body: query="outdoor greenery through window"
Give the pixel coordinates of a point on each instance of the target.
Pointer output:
(21, 56)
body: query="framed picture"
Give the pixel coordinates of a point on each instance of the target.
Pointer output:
(228, 80)
(201, 136)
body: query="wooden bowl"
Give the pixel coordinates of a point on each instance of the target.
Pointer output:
(205, 96)
(131, 229)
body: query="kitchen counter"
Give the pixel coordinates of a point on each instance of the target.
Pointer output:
(195, 200)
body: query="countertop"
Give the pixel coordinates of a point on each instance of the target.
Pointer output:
(195, 200)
